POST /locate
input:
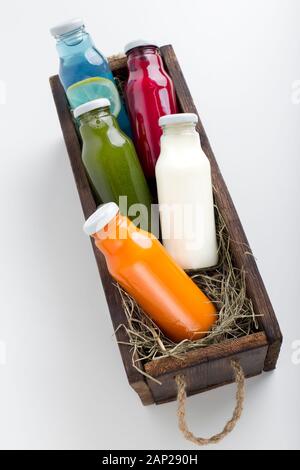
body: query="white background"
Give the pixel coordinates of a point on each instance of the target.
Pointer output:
(62, 383)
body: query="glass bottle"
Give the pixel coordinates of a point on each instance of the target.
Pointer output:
(149, 94)
(185, 195)
(84, 72)
(141, 265)
(111, 162)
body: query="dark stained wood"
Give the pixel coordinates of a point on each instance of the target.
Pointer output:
(203, 377)
(209, 367)
(239, 246)
(159, 367)
(203, 368)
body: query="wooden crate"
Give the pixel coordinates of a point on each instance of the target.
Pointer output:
(207, 367)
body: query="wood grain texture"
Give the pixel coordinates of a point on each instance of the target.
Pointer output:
(210, 367)
(157, 368)
(204, 368)
(240, 249)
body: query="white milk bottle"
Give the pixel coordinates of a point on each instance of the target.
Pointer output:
(185, 196)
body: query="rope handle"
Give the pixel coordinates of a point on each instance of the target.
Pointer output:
(181, 411)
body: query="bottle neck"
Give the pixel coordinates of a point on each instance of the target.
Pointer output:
(179, 135)
(73, 42)
(143, 57)
(184, 129)
(113, 236)
(95, 117)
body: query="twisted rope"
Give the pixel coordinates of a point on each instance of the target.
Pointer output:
(181, 411)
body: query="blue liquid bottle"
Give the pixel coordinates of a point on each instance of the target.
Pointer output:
(84, 72)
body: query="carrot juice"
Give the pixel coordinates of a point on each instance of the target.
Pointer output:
(142, 266)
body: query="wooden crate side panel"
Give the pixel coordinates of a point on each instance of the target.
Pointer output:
(209, 374)
(239, 246)
(136, 380)
(160, 367)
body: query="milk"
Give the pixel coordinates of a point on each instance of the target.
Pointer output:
(185, 197)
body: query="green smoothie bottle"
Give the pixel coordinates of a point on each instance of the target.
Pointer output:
(112, 164)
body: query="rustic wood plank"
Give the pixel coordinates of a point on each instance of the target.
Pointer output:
(239, 245)
(170, 392)
(136, 380)
(209, 367)
(159, 367)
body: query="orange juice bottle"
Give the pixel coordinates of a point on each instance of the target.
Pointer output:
(142, 266)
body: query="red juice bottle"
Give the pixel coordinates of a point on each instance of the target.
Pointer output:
(149, 94)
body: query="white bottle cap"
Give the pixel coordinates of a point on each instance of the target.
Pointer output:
(90, 106)
(178, 119)
(101, 217)
(138, 43)
(66, 27)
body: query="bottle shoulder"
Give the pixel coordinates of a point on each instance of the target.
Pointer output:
(82, 64)
(95, 57)
(108, 135)
(175, 146)
(153, 75)
(175, 158)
